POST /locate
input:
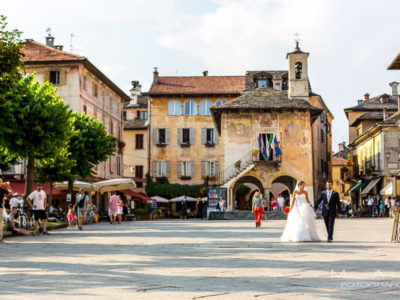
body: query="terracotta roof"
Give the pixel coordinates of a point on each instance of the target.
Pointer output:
(135, 124)
(197, 85)
(395, 65)
(263, 99)
(336, 161)
(36, 54)
(371, 115)
(376, 104)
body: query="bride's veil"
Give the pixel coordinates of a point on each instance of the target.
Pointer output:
(297, 185)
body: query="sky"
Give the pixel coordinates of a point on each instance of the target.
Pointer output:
(351, 42)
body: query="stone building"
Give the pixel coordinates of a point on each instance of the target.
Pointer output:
(339, 177)
(136, 136)
(83, 87)
(268, 111)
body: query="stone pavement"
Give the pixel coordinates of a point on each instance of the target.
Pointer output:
(202, 260)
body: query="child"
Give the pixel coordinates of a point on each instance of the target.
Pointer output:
(381, 210)
(70, 215)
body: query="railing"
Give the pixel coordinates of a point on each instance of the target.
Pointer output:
(234, 169)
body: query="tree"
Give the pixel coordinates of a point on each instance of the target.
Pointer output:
(55, 169)
(7, 160)
(10, 64)
(89, 145)
(39, 124)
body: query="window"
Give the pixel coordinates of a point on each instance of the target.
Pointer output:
(139, 174)
(84, 109)
(209, 136)
(190, 108)
(269, 151)
(118, 165)
(139, 141)
(185, 136)
(110, 164)
(54, 77)
(285, 85)
(143, 115)
(220, 102)
(124, 115)
(342, 188)
(161, 136)
(205, 108)
(84, 83)
(111, 128)
(111, 104)
(174, 108)
(103, 100)
(322, 136)
(262, 82)
(209, 168)
(298, 68)
(185, 168)
(95, 90)
(161, 169)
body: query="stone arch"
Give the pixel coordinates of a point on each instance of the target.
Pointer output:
(287, 180)
(245, 180)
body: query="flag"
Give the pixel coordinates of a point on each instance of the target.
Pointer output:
(262, 147)
(271, 141)
(277, 149)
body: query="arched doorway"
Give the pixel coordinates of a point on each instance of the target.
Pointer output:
(243, 202)
(285, 186)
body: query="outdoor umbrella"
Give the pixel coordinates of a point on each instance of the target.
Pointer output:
(180, 199)
(160, 199)
(86, 186)
(115, 184)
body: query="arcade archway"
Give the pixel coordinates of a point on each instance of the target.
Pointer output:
(243, 202)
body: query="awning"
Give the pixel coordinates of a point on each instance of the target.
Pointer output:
(160, 199)
(115, 184)
(387, 190)
(370, 186)
(358, 187)
(88, 187)
(19, 187)
(180, 199)
(135, 195)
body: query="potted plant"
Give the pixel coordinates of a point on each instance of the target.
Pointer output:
(121, 145)
(210, 144)
(186, 177)
(237, 164)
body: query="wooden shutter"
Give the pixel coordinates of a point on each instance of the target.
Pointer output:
(168, 168)
(216, 168)
(203, 168)
(62, 77)
(215, 136)
(155, 136)
(167, 136)
(154, 169)
(204, 136)
(179, 136)
(191, 137)
(47, 76)
(192, 169)
(179, 170)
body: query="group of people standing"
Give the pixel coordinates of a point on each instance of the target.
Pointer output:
(117, 209)
(378, 207)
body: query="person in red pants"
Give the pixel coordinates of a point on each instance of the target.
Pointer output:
(257, 208)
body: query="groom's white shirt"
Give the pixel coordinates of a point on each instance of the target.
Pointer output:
(328, 195)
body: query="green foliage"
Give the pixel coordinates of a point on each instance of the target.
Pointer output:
(38, 122)
(171, 190)
(242, 190)
(143, 211)
(56, 168)
(89, 145)
(7, 160)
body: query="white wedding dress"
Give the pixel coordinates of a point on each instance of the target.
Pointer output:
(301, 225)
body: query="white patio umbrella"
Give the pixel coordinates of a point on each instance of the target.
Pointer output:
(86, 186)
(115, 184)
(160, 199)
(180, 199)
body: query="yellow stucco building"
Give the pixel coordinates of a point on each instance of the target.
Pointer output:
(340, 173)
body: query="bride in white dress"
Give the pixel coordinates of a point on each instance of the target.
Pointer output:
(301, 225)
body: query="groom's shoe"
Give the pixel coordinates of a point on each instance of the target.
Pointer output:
(329, 240)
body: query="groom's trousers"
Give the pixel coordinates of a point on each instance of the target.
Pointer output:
(329, 223)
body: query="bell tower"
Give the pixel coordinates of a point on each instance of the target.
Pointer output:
(298, 73)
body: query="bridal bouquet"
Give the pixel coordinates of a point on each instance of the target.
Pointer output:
(286, 210)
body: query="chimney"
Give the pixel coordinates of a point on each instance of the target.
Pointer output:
(359, 102)
(341, 146)
(49, 41)
(205, 73)
(135, 91)
(394, 85)
(155, 75)
(366, 97)
(59, 47)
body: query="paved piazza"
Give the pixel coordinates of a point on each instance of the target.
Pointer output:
(202, 260)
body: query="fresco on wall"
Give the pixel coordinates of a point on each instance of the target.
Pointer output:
(265, 120)
(239, 128)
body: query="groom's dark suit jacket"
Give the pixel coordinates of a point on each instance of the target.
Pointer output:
(334, 203)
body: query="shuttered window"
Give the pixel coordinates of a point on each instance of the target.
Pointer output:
(209, 168)
(161, 169)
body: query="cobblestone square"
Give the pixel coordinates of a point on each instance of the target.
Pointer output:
(202, 260)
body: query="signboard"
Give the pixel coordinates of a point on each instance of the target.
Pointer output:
(69, 197)
(392, 165)
(214, 194)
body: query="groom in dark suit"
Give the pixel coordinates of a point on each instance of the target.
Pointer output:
(331, 207)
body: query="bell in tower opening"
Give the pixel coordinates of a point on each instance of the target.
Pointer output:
(297, 69)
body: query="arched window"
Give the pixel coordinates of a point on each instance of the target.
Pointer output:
(298, 68)
(190, 108)
(174, 108)
(220, 102)
(205, 106)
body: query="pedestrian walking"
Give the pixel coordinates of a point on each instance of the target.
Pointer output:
(392, 206)
(378, 201)
(153, 211)
(200, 206)
(205, 208)
(387, 206)
(37, 201)
(370, 205)
(125, 210)
(281, 202)
(185, 208)
(70, 215)
(113, 208)
(81, 205)
(257, 208)
(120, 210)
(274, 204)
(5, 190)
